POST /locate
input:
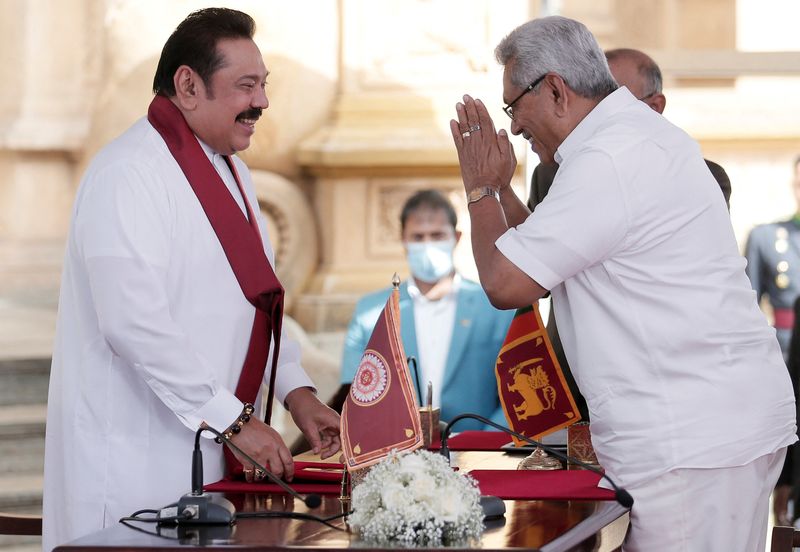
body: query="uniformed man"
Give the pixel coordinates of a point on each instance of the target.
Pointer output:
(773, 265)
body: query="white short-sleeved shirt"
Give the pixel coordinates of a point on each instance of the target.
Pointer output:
(151, 336)
(658, 320)
(433, 324)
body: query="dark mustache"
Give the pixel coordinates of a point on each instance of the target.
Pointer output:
(252, 113)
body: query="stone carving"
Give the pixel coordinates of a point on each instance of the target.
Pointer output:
(292, 230)
(388, 197)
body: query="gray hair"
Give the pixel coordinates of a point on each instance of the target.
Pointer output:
(558, 45)
(645, 65)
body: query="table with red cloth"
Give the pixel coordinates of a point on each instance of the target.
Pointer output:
(549, 511)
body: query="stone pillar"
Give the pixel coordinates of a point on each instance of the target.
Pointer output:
(404, 64)
(52, 51)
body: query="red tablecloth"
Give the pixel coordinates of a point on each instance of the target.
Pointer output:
(475, 440)
(541, 485)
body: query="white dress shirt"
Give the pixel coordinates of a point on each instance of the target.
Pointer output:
(151, 336)
(658, 320)
(433, 327)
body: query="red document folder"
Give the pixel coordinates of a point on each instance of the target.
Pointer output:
(541, 485)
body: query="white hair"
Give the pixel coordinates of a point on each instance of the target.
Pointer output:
(557, 45)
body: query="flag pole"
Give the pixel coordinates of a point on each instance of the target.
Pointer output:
(410, 361)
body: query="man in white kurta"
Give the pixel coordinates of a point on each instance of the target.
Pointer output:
(152, 332)
(691, 407)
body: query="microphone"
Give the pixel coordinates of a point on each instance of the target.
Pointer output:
(623, 497)
(311, 500)
(197, 507)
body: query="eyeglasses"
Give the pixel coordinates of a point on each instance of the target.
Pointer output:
(509, 109)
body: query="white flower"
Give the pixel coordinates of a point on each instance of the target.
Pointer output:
(423, 488)
(395, 496)
(416, 498)
(414, 464)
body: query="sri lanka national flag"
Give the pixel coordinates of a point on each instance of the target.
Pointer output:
(380, 412)
(534, 394)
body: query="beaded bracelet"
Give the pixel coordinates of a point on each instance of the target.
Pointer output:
(236, 426)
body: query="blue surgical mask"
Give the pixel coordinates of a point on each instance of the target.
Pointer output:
(430, 261)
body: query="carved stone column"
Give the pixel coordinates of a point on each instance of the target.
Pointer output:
(51, 53)
(404, 65)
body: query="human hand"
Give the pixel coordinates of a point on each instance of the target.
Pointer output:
(319, 423)
(486, 156)
(780, 504)
(266, 447)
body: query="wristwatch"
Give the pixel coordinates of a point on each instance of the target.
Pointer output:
(479, 193)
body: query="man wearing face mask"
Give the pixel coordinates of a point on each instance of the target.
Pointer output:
(447, 323)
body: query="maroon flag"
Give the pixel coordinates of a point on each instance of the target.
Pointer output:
(380, 412)
(534, 394)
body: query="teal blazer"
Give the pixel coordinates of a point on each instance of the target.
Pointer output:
(469, 383)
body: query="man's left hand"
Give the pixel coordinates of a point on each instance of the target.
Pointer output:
(319, 423)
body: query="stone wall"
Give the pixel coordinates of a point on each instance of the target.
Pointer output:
(361, 93)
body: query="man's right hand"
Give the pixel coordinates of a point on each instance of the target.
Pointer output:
(265, 445)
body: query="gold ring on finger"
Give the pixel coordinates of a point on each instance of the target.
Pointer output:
(465, 134)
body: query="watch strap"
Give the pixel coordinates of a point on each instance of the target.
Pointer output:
(479, 193)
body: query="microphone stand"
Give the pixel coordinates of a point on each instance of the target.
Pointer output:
(622, 496)
(198, 507)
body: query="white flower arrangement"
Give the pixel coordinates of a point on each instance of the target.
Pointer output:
(416, 498)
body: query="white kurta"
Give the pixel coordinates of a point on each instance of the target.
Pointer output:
(658, 320)
(151, 335)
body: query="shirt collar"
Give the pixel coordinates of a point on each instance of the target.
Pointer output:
(416, 294)
(210, 153)
(607, 107)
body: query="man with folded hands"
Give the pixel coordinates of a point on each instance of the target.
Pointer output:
(691, 405)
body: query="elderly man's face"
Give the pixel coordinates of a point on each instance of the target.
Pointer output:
(531, 116)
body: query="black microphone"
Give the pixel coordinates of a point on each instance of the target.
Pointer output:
(623, 497)
(311, 500)
(197, 507)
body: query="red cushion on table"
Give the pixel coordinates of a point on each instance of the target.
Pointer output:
(309, 477)
(475, 440)
(228, 486)
(318, 471)
(300, 468)
(541, 485)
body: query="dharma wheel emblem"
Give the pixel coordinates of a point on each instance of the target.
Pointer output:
(372, 379)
